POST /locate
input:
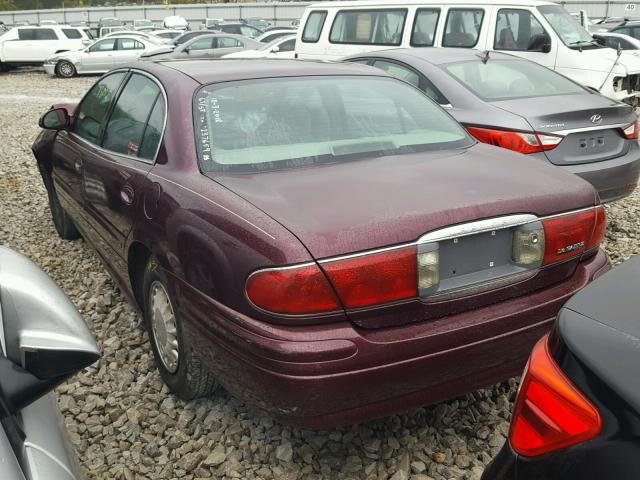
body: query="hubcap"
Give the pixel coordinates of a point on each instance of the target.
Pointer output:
(66, 69)
(164, 327)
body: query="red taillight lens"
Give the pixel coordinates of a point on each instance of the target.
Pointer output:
(375, 278)
(550, 412)
(292, 291)
(570, 235)
(631, 132)
(522, 142)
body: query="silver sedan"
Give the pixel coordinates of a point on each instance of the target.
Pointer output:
(99, 57)
(214, 45)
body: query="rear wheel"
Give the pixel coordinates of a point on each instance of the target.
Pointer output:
(179, 366)
(4, 67)
(66, 69)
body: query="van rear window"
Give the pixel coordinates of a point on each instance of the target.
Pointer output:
(313, 27)
(368, 27)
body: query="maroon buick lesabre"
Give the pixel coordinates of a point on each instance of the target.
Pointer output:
(321, 240)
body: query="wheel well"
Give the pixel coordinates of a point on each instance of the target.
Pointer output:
(61, 51)
(137, 261)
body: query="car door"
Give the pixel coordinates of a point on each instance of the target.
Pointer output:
(285, 49)
(127, 50)
(25, 48)
(518, 32)
(99, 56)
(199, 48)
(226, 45)
(115, 176)
(73, 147)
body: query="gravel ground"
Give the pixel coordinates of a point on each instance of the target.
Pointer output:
(125, 424)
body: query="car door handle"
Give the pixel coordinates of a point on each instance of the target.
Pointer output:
(78, 165)
(126, 194)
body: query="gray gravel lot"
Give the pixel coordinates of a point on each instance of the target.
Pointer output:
(125, 424)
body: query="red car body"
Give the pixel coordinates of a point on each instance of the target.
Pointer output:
(211, 231)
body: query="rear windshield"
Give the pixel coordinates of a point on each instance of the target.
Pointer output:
(502, 79)
(268, 124)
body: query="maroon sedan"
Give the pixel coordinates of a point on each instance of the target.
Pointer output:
(322, 240)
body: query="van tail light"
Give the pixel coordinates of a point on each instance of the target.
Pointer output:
(550, 412)
(566, 236)
(297, 290)
(631, 132)
(522, 142)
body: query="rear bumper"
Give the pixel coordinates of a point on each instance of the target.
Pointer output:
(614, 179)
(325, 376)
(50, 69)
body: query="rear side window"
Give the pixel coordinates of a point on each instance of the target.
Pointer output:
(129, 44)
(463, 27)
(501, 79)
(265, 124)
(368, 27)
(518, 30)
(228, 42)
(313, 27)
(92, 112)
(27, 34)
(46, 34)
(424, 27)
(153, 131)
(104, 45)
(129, 118)
(202, 44)
(71, 33)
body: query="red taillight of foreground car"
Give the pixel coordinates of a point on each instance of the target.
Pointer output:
(362, 280)
(569, 235)
(375, 278)
(522, 142)
(550, 412)
(298, 290)
(631, 132)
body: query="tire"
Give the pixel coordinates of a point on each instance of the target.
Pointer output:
(66, 69)
(61, 219)
(187, 378)
(4, 67)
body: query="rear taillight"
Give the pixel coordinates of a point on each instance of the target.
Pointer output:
(550, 412)
(298, 290)
(374, 278)
(522, 142)
(569, 235)
(631, 132)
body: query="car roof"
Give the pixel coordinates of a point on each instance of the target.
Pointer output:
(382, 3)
(227, 70)
(435, 56)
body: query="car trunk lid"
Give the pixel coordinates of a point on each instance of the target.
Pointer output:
(590, 124)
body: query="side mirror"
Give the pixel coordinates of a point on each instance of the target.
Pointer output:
(275, 49)
(186, 50)
(55, 119)
(546, 46)
(45, 339)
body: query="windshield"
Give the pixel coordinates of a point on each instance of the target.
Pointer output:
(502, 79)
(265, 124)
(567, 27)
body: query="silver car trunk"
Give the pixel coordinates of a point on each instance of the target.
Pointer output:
(591, 125)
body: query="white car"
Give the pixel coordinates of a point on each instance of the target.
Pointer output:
(33, 45)
(168, 34)
(176, 22)
(283, 47)
(100, 57)
(612, 40)
(210, 23)
(270, 35)
(150, 37)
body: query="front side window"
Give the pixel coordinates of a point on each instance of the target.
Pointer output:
(93, 110)
(202, 44)
(463, 27)
(399, 71)
(567, 28)
(368, 27)
(266, 124)
(313, 27)
(424, 27)
(502, 79)
(228, 42)
(72, 33)
(104, 46)
(518, 30)
(126, 126)
(288, 46)
(129, 44)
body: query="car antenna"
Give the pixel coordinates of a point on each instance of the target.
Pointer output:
(485, 56)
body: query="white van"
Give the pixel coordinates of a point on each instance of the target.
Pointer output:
(543, 32)
(33, 45)
(176, 22)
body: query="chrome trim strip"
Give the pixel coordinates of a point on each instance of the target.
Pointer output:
(480, 226)
(586, 129)
(365, 253)
(482, 287)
